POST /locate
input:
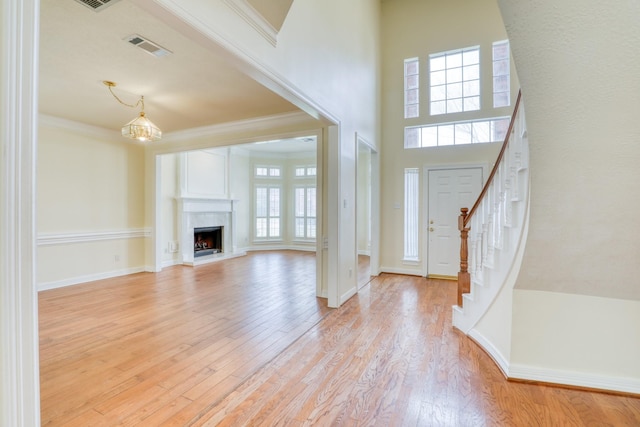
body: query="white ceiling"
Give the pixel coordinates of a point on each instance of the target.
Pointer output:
(192, 87)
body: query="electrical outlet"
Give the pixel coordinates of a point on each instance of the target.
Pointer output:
(116, 258)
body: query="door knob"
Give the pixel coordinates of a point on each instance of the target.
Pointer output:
(430, 228)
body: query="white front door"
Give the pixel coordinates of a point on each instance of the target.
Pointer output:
(449, 190)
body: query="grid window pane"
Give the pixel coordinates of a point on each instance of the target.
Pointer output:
(411, 67)
(471, 56)
(274, 227)
(299, 202)
(472, 103)
(500, 128)
(454, 60)
(459, 72)
(299, 171)
(471, 88)
(458, 133)
(305, 212)
(411, 137)
(261, 202)
(501, 100)
(454, 105)
(411, 88)
(411, 213)
(274, 202)
(501, 74)
(463, 133)
(454, 91)
(412, 82)
(311, 171)
(454, 75)
(299, 227)
(411, 111)
(439, 107)
(261, 227)
(481, 132)
(437, 62)
(412, 96)
(438, 78)
(311, 228)
(260, 171)
(445, 135)
(274, 171)
(438, 93)
(471, 72)
(311, 202)
(430, 136)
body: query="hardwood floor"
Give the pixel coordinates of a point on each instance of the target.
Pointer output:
(245, 342)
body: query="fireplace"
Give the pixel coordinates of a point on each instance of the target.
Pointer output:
(208, 241)
(195, 214)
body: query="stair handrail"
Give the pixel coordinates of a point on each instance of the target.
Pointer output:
(464, 278)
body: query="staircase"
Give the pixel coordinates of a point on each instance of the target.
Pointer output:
(496, 227)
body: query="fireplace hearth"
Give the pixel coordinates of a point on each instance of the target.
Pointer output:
(208, 241)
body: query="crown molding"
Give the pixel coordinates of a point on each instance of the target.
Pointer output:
(53, 122)
(247, 125)
(252, 17)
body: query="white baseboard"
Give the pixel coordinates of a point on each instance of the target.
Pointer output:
(492, 350)
(572, 378)
(351, 292)
(88, 278)
(393, 270)
(280, 248)
(169, 263)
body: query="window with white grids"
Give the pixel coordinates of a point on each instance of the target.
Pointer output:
(456, 133)
(411, 88)
(454, 81)
(267, 212)
(501, 74)
(305, 212)
(411, 203)
(268, 171)
(305, 171)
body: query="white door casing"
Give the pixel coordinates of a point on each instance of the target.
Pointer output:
(448, 191)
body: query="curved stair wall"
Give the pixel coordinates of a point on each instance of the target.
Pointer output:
(496, 240)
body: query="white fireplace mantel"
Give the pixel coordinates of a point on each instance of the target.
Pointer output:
(195, 212)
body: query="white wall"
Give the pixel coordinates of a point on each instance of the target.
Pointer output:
(579, 340)
(412, 28)
(169, 190)
(240, 189)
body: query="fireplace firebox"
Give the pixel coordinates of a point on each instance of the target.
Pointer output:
(207, 241)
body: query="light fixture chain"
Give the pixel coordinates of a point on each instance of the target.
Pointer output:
(140, 101)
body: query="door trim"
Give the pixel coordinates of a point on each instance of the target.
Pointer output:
(424, 235)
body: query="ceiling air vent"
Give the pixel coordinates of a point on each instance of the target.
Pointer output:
(97, 5)
(147, 45)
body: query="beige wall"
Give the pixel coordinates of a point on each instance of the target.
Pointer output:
(416, 28)
(89, 183)
(581, 115)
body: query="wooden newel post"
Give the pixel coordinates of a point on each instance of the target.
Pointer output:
(464, 279)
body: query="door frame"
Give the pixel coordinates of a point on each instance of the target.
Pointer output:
(422, 221)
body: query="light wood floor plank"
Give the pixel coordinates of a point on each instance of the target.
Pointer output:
(245, 342)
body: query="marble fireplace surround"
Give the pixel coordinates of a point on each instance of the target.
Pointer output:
(205, 212)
